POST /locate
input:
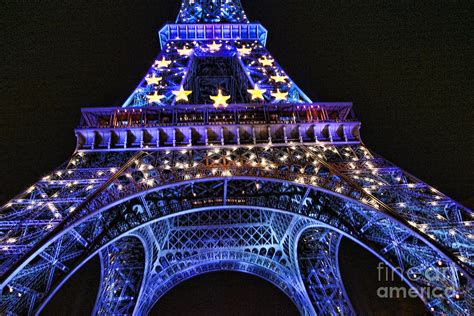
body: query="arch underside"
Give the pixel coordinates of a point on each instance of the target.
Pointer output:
(225, 239)
(147, 191)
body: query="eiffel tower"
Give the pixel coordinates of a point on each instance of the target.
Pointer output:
(218, 161)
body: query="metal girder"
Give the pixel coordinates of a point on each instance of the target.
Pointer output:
(318, 262)
(123, 269)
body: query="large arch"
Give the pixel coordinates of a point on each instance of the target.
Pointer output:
(299, 227)
(247, 240)
(362, 223)
(248, 262)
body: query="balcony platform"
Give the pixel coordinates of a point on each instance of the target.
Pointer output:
(201, 32)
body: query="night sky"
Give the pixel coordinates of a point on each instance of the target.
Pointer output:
(406, 65)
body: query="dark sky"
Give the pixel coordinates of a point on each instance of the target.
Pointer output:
(406, 65)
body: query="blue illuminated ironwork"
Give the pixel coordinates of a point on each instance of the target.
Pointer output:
(178, 182)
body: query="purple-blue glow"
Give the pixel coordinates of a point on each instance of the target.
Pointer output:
(218, 161)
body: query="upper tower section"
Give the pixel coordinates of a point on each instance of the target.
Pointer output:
(212, 55)
(214, 82)
(212, 20)
(211, 11)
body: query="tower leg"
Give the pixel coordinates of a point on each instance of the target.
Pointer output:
(122, 276)
(319, 270)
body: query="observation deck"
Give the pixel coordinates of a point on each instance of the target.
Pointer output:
(200, 32)
(204, 125)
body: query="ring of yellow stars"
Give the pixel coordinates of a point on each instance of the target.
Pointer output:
(163, 63)
(214, 46)
(244, 50)
(185, 51)
(256, 93)
(220, 99)
(155, 97)
(265, 61)
(152, 79)
(182, 94)
(280, 95)
(279, 78)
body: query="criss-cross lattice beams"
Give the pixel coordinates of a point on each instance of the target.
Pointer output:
(230, 239)
(358, 223)
(177, 258)
(123, 268)
(318, 263)
(314, 165)
(211, 11)
(324, 166)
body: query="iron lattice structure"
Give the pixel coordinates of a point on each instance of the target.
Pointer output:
(218, 161)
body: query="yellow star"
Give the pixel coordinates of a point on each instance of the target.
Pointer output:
(279, 95)
(152, 79)
(279, 78)
(155, 98)
(256, 93)
(182, 94)
(220, 99)
(162, 63)
(185, 51)
(265, 61)
(214, 46)
(244, 50)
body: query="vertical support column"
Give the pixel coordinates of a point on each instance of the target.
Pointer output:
(123, 265)
(319, 270)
